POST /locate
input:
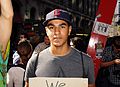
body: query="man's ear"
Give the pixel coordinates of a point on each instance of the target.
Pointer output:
(46, 29)
(70, 29)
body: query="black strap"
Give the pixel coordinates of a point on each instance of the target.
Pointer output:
(36, 63)
(84, 76)
(23, 80)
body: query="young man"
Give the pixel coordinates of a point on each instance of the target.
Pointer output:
(60, 60)
(6, 15)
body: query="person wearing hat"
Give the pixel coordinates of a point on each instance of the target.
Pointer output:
(60, 59)
(111, 60)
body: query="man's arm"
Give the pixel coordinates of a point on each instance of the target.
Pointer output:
(26, 84)
(5, 24)
(112, 62)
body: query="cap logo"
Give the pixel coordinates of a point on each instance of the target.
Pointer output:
(57, 12)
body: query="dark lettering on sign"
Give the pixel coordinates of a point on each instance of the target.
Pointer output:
(57, 84)
(102, 27)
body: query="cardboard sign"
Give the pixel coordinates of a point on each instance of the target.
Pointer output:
(58, 82)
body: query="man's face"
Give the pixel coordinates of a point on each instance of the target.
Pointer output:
(58, 31)
(22, 37)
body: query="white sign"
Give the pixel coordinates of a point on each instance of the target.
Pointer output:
(101, 28)
(58, 82)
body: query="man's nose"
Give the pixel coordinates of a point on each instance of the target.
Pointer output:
(57, 30)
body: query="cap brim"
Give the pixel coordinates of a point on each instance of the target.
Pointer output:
(45, 22)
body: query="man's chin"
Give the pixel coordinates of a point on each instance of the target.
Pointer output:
(57, 44)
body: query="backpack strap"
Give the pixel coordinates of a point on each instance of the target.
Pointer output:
(36, 62)
(84, 75)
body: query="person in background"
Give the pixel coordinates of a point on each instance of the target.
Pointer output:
(35, 40)
(111, 60)
(60, 59)
(16, 72)
(80, 45)
(22, 37)
(6, 16)
(41, 46)
(16, 57)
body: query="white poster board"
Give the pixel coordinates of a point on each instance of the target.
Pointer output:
(101, 28)
(58, 82)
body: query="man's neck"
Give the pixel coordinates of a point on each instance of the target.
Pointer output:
(60, 51)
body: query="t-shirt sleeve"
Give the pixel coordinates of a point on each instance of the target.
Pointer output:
(31, 66)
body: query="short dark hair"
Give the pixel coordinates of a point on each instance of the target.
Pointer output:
(25, 34)
(24, 48)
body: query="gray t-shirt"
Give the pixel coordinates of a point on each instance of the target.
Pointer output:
(70, 65)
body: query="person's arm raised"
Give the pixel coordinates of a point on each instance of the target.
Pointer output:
(6, 17)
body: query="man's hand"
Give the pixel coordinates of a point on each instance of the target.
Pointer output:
(117, 61)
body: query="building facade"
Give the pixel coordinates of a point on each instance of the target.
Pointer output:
(83, 11)
(115, 26)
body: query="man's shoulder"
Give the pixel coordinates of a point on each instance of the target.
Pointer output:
(40, 44)
(44, 52)
(34, 56)
(81, 53)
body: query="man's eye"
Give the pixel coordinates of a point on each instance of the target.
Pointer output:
(62, 26)
(50, 27)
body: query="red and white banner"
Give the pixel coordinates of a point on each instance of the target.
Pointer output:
(100, 30)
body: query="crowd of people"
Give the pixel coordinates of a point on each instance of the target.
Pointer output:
(54, 57)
